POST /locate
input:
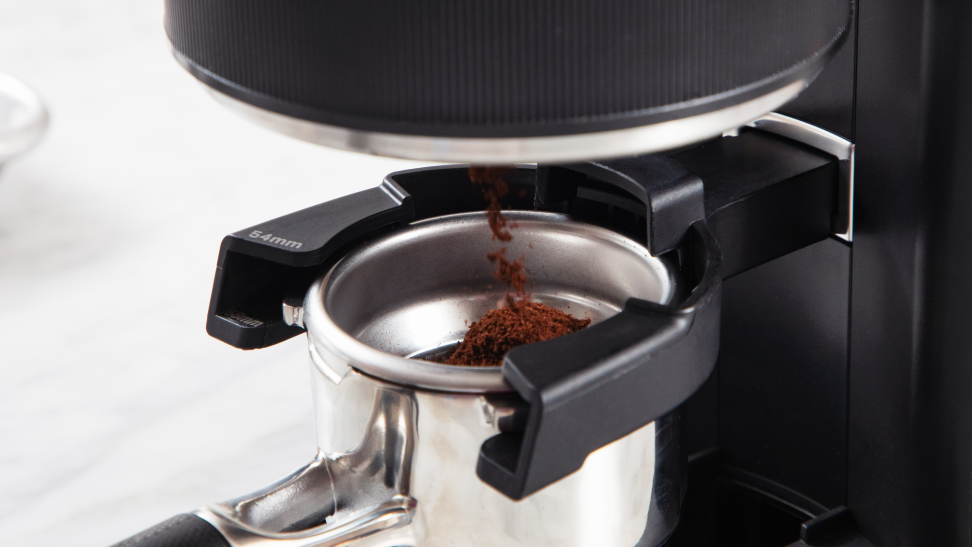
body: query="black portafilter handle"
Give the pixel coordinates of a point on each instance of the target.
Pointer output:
(184, 530)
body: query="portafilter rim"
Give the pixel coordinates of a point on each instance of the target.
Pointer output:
(322, 329)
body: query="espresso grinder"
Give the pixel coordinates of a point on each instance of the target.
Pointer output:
(762, 369)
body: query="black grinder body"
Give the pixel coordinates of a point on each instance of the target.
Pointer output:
(838, 409)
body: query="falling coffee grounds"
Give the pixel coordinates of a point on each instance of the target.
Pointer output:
(511, 273)
(520, 321)
(492, 181)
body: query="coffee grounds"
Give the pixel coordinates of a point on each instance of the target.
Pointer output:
(511, 273)
(492, 181)
(501, 330)
(520, 321)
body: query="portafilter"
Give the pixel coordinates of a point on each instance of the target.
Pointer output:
(572, 441)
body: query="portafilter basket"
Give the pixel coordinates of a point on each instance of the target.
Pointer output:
(414, 293)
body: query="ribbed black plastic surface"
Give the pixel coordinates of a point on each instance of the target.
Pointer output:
(501, 67)
(179, 531)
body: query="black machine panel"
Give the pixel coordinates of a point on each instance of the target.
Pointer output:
(910, 450)
(783, 371)
(840, 406)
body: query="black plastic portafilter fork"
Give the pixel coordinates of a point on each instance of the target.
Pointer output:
(275, 261)
(725, 206)
(590, 388)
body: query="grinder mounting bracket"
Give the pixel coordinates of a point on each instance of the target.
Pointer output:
(775, 187)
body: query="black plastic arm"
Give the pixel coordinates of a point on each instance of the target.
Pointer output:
(593, 387)
(274, 262)
(179, 531)
(761, 195)
(765, 195)
(258, 265)
(672, 194)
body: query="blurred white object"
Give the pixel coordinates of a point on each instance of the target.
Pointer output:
(23, 118)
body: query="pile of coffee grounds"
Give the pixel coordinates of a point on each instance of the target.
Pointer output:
(501, 330)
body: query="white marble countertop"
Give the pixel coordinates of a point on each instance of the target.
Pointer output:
(116, 409)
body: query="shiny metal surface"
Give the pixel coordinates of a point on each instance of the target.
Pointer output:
(825, 141)
(505, 411)
(23, 118)
(800, 131)
(293, 315)
(340, 495)
(562, 148)
(397, 468)
(418, 289)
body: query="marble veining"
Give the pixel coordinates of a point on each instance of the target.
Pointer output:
(116, 409)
